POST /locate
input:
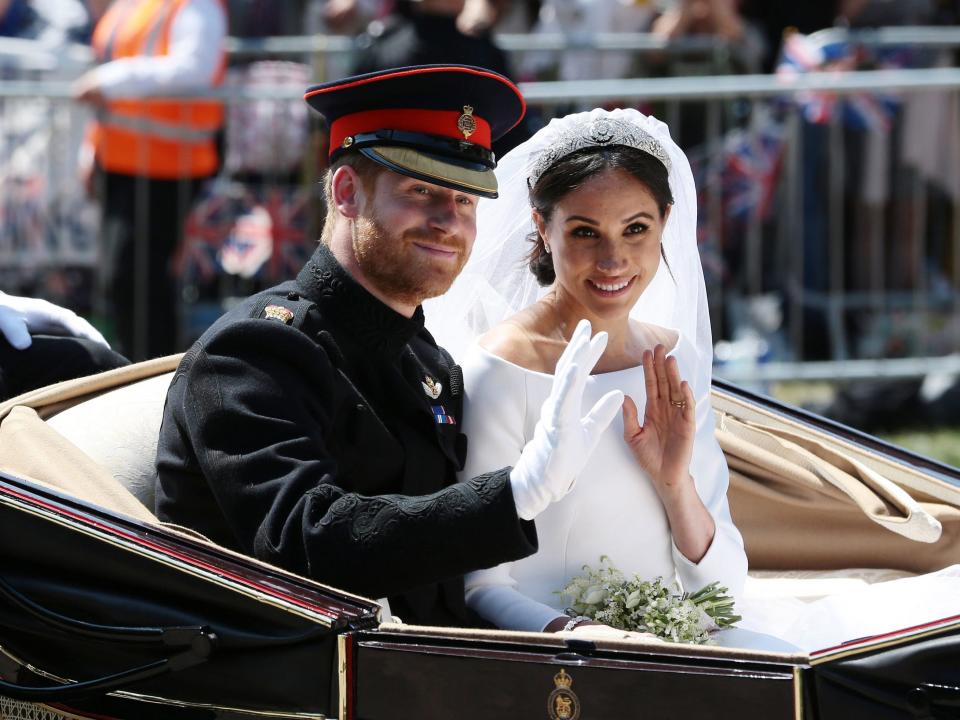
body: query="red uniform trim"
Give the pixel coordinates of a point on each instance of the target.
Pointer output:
(432, 122)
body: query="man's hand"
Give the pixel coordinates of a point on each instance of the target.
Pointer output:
(22, 317)
(341, 15)
(564, 438)
(86, 89)
(477, 17)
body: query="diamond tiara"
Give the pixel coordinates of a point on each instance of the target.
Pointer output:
(600, 132)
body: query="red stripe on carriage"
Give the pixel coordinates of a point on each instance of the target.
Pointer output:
(200, 564)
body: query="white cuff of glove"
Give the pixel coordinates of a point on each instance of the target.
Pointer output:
(531, 492)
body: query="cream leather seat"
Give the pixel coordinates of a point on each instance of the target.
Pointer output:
(119, 431)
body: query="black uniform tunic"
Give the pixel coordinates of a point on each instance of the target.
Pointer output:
(301, 429)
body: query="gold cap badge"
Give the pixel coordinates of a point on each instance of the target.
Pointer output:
(563, 703)
(466, 123)
(278, 312)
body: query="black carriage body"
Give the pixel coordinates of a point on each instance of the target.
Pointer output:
(473, 677)
(88, 596)
(429, 673)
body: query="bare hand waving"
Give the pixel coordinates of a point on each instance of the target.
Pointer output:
(663, 445)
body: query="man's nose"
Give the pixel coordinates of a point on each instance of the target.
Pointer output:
(443, 212)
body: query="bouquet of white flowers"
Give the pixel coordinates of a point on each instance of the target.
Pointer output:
(651, 606)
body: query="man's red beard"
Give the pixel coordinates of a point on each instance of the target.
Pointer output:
(397, 268)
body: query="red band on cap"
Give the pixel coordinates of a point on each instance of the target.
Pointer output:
(431, 122)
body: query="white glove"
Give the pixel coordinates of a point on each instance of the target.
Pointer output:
(22, 317)
(563, 439)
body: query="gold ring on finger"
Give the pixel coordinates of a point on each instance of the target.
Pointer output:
(679, 403)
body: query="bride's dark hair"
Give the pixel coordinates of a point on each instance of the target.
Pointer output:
(572, 171)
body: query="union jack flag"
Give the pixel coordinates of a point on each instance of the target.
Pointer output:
(245, 231)
(751, 169)
(207, 226)
(288, 221)
(822, 52)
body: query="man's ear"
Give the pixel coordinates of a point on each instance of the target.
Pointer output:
(347, 191)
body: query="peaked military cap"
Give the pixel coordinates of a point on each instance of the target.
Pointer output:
(432, 122)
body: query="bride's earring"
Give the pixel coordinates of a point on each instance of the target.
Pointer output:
(546, 248)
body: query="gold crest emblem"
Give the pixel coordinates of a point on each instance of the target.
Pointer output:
(466, 123)
(431, 387)
(278, 312)
(563, 703)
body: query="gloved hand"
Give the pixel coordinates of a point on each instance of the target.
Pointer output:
(20, 317)
(596, 631)
(563, 439)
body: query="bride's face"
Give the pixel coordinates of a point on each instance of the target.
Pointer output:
(604, 238)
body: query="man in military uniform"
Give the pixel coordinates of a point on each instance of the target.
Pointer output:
(316, 425)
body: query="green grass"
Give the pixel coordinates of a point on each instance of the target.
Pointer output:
(941, 444)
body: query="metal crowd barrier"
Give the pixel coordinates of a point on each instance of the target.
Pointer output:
(928, 37)
(903, 283)
(603, 42)
(817, 266)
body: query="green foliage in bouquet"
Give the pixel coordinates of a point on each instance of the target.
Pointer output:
(651, 606)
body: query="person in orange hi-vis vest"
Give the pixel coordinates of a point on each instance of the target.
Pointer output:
(145, 158)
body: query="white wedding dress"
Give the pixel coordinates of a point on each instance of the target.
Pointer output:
(853, 606)
(613, 509)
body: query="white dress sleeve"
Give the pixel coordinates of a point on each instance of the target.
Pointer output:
(725, 560)
(495, 420)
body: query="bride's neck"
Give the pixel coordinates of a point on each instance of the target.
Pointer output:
(568, 312)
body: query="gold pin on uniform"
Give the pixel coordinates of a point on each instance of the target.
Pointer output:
(431, 387)
(466, 123)
(278, 312)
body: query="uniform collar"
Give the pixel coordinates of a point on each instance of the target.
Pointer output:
(345, 302)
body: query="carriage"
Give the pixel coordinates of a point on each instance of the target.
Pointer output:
(107, 613)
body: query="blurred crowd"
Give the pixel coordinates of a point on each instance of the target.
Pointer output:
(153, 252)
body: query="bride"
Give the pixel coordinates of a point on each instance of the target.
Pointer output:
(612, 227)
(612, 232)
